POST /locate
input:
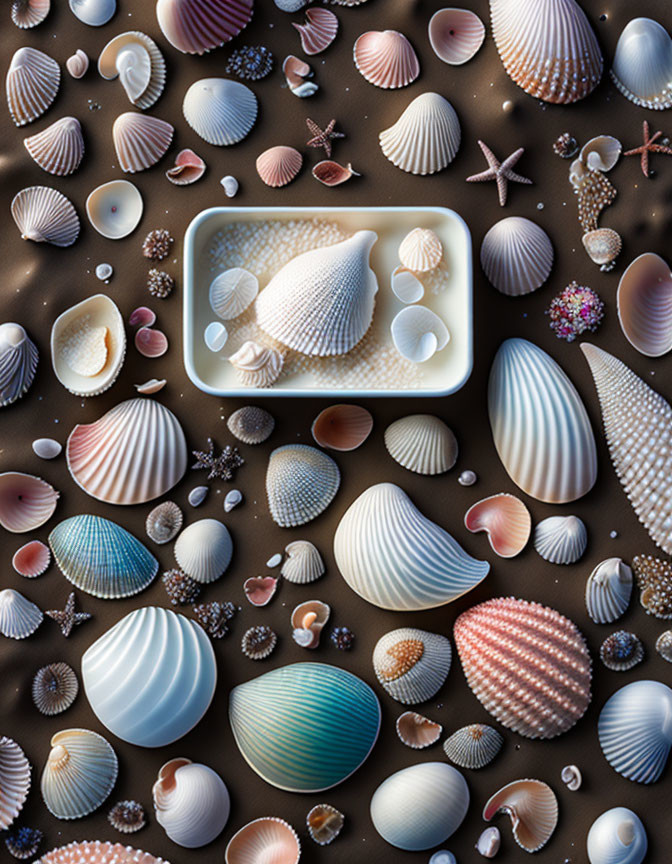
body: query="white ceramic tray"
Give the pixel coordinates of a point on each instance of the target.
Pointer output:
(443, 374)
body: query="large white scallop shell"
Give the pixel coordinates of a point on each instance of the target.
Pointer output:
(29, 13)
(561, 539)
(18, 362)
(197, 26)
(386, 58)
(642, 68)
(222, 112)
(608, 591)
(140, 140)
(516, 256)
(32, 82)
(232, 291)
(95, 13)
(456, 35)
(418, 333)
(26, 502)
(59, 148)
(44, 215)
(115, 60)
(533, 809)
(301, 482)
(422, 443)
(617, 837)
(204, 550)
(19, 618)
(425, 138)
(14, 781)
(644, 300)
(412, 665)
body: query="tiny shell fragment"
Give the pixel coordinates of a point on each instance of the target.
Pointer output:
(151, 386)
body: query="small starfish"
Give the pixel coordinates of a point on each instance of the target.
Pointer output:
(322, 137)
(222, 467)
(67, 618)
(500, 172)
(649, 146)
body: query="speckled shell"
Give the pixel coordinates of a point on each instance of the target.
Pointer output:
(642, 68)
(654, 580)
(32, 82)
(617, 837)
(197, 26)
(18, 362)
(422, 443)
(59, 148)
(412, 665)
(303, 563)
(324, 823)
(319, 30)
(301, 482)
(561, 539)
(26, 502)
(621, 651)
(603, 246)
(204, 550)
(222, 112)
(98, 852)
(44, 215)
(608, 591)
(644, 301)
(140, 141)
(426, 137)
(386, 59)
(257, 366)
(251, 424)
(456, 35)
(506, 521)
(19, 617)
(14, 780)
(108, 68)
(533, 809)
(29, 13)
(164, 522)
(473, 746)
(416, 731)
(279, 165)
(516, 256)
(267, 838)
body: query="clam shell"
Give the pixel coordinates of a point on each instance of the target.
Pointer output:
(642, 67)
(331, 173)
(621, 651)
(151, 677)
(421, 250)
(188, 168)
(386, 59)
(426, 137)
(406, 286)
(164, 522)
(18, 362)
(29, 13)
(115, 209)
(26, 502)
(135, 46)
(617, 837)
(396, 558)
(603, 246)
(260, 590)
(77, 64)
(654, 580)
(95, 13)
(473, 746)
(456, 35)
(412, 665)
(506, 521)
(32, 559)
(256, 365)
(54, 688)
(324, 823)
(416, 731)
(303, 709)
(150, 342)
(303, 563)
(140, 140)
(418, 333)
(301, 482)
(197, 26)
(222, 112)
(32, 82)
(342, 427)
(59, 148)
(608, 590)
(319, 31)
(19, 617)
(644, 301)
(15, 780)
(309, 618)
(488, 842)
(516, 256)
(533, 809)
(251, 425)
(422, 443)
(561, 539)
(232, 291)
(279, 165)
(528, 665)
(265, 839)
(44, 215)
(539, 424)
(102, 558)
(421, 806)
(204, 550)
(98, 852)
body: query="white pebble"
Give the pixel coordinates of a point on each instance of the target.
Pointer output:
(197, 495)
(467, 478)
(507, 107)
(233, 499)
(613, 534)
(104, 272)
(274, 560)
(215, 336)
(230, 185)
(46, 448)
(489, 842)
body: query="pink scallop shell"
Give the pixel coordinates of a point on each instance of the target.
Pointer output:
(32, 559)
(505, 519)
(26, 502)
(140, 140)
(260, 590)
(143, 316)
(644, 301)
(532, 808)
(319, 31)
(269, 840)
(188, 168)
(98, 852)
(386, 59)
(150, 342)
(456, 35)
(197, 26)
(278, 166)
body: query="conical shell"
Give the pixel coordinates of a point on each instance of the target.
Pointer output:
(426, 137)
(14, 781)
(32, 559)
(533, 809)
(232, 291)
(59, 148)
(617, 837)
(44, 215)
(134, 453)
(102, 558)
(528, 665)
(642, 68)
(608, 591)
(29, 13)
(548, 48)
(644, 301)
(19, 617)
(418, 333)
(265, 839)
(111, 64)
(396, 558)
(303, 563)
(94, 13)
(32, 82)
(256, 365)
(456, 35)
(204, 550)
(321, 302)
(140, 140)
(222, 112)
(412, 665)
(561, 539)
(18, 362)
(506, 521)
(319, 31)
(279, 165)
(422, 443)
(319, 725)
(342, 427)
(417, 731)
(386, 58)
(301, 483)
(54, 688)
(421, 250)
(197, 26)
(516, 256)
(539, 425)
(654, 580)
(251, 425)
(98, 852)
(26, 502)
(473, 746)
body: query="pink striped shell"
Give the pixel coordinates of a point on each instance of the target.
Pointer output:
(98, 852)
(455, 35)
(386, 59)
(197, 26)
(319, 31)
(140, 140)
(278, 166)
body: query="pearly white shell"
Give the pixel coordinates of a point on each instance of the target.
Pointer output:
(232, 291)
(406, 286)
(608, 591)
(303, 563)
(32, 82)
(561, 539)
(426, 137)
(301, 482)
(644, 300)
(456, 35)
(422, 443)
(516, 256)
(129, 54)
(617, 837)
(222, 112)
(421, 250)
(642, 68)
(256, 365)
(95, 13)
(140, 140)
(18, 362)
(19, 617)
(115, 209)
(418, 333)
(44, 215)
(204, 550)
(59, 148)
(215, 336)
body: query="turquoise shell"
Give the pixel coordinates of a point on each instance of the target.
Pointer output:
(305, 727)
(102, 558)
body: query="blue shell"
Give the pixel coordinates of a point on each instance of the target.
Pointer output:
(305, 727)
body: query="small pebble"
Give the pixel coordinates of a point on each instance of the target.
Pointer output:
(46, 448)
(104, 272)
(197, 495)
(443, 856)
(507, 107)
(274, 560)
(467, 478)
(489, 842)
(233, 499)
(613, 534)
(230, 185)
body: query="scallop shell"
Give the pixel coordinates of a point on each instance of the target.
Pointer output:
(191, 803)
(473, 746)
(416, 731)
(422, 443)
(539, 424)
(115, 209)
(256, 365)
(321, 302)
(188, 168)
(319, 31)
(204, 550)
(421, 806)
(603, 246)
(621, 651)
(506, 521)
(324, 823)
(232, 291)
(412, 665)
(309, 618)
(279, 165)
(222, 112)
(645, 305)
(634, 730)
(29, 13)
(421, 250)
(124, 56)
(151, 677)
(26, 502)
(386, 59)
(32, 559)
(303, 563)
(331, 173)
(516, 256)
(54, 688)
(140, 140)
(18, 362)
(95, 13)
(528, 665)
(19, 618)
(642, 67)
(77, 64)
(456, 35)
(32, 82)
(44, 215)
(134, 453)
(15, 779)
(418, 333)
(426, 137)
(561, 539)
(396, 558)
(59, 148)
(617, 837)
(164, 522)
(102, 558)
(265, 839)
(608, 591)
(342, 427)
(304, 709)
(98, 852)
(533, 809)
(301, 482)
(654, 580)
(197, 26)
(548, 49)
(251, 425)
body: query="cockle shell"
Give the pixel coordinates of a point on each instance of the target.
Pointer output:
(418, 333)
(222, 112)
(321, 302)
(164, 522)
(232, 291)
(266, 839)
(416, 731)
(18, 362)
(204, 550)
(426, 137)
(644, 301)
(533, 809)
(279, 165)
(79, 774)
(642, 68)
(303, 563)
(32, 82)
(26, 502)
(14, 780)
(412, 665)
(539, 424)
(29, 13)
(115, 209)
(320, 724)
(251, 425)
(256, 365)
(342, 427)
(136, 59)
(77, 64)
(188, 168)
(319, 31)
(301, 482)
(324, 823)
(473, 746)
(528, 665)
(654, 580)
(19, 618)
(331, 173)
(140, 140)
(151, 677)
(386, 59)
(422, 443)
(406, 286)
(98, 852)
(506, 521)
(191, 803)
(635, 731)
(296, 72)
(617, 837)
(54, 688)
(421, 250)
(396, 558)
(561, 539)
(549, 48)
(420, 806)
(608, 591)
(516, 256)
(456, 35)
(309, 619)
(95, 13)
(32, 559)
(197, 26)
(59, 148)
(44, 215)
(603, 246)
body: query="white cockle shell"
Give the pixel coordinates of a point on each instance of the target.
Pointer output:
(222, 112)
(18, 362)
(516, 256)
(426, 137)
(45, 215)
(561, 539)
(32, 82)
(204, 550)
(608, 591)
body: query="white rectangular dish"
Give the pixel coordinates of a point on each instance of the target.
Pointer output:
(224, 237)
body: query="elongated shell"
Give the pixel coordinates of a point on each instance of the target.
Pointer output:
(608, 591)
(279, 165)
(44, 215)
(506, 521)
(417, 731)
(422, 443)
(319, 725)
(14, 781)
(232, 291)
(204, 550)
(32, 82)
(412, 665)
(426, 137)
(642, 68)
(29, 13)
(617, 837)
(110, 63)
(303, 563)
(644, 301)
(473, 746)
(456, 35)
(197, 26)
(265, 839)
(164, 522)
(533, 809)
(18, 362)
(342, 427)
(539, 424)
(301, 482)
(26, 502)
(59, 148)
(222, 112)
(386, 58)
(19, 617)
(516, 256)
(140, 140)
(561, 539)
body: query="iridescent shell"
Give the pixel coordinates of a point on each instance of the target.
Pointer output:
(516, 256)
(617, 837)
(136, 59)
(301, 482)
(251, 425)
(412, 665)
(426, 137)
(303, 563)
(115, 209)
(642, 68)
(197, 26)
(473, 746)
(533, 809)
(59, 148)
(654, 580)
(26, 502)
(222, 112)
(386, 59)
(421, 250)
(279, 165)
(204, 549)
(319, 31)
(32, 82)
(418, 333)
(664, 645)
(150, 342)
(14, 779)
(29, 13)
(488, 842)
(265, 839)
(422, 443)
(608, 590)
(98, 852)
(561, 539)
(46, 448)
(644, 300)
(342, 427)
(77, 64)
(164, 522)
(19, 617)
(324, 823)
(232, 291)
(94, 13)
(456, 35)
(416, 731)
(44, 215)
(140, 141)
(32, 559)
(54, 688)
(18, 362)
(621, 651)
(506, 521)
(257, 366)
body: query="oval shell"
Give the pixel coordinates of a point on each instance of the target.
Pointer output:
(303, 563)
(506, 521)
(115, 209)
(603, 246)
(59, 148)
(642, 66)
(94, 13)
(386, 58)
(26, 502)
(417, 731)
(617, 837)
(15, 778)
(608, 591)
(621, 651)
(533, 809)
(421, 250)
(250, 424)
(342, 427)
(32, 82)
(32, 559)
(204, 550)
(473, 746)
(426, 137)
(140, 140)
(422, 443)
(222, 112)
(516, 256)
(644, 301)
(44, 215)
(77, 64)
(412, 665)
(54, 688)
(19, 617)
(18, 362)
(198, 26)
(232, 291)
(561, 539)
(406, 286)
(164, 522)
(266, 839)
(456, 35)
(301, 482)
(279, 165)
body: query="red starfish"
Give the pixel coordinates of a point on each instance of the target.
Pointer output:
(322, 137)
(649, 146)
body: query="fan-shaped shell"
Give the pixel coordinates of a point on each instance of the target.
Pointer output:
(608, 591)
(386, 58)
(19, 617)
(320, 724)
(123, 55)
(32, 559)
(418, 333)
(32, 82)
(539, 424)
(222, 112)
(232, 291)
(14, 779)
(197, 26)
(533, 809)
(506, 521)
(44, 215)
(645, 305)
(421, 806)
(642, 68)
(561, 539)
(151, 677)
(301, 482)
(426, 137)
(319, 31)
(204, 550)
(59, 148)
(473, 746)
(266, 839)
(54, 688)
(251, 425)
(416, 731)
(115, 209)
(279, 165)
(26, 502)
(18, 362)
(617, 837)
(422, 443)
(95, 13)
(256, 365)
(98, 852)
(342, 427)
(303, 563)
(140, 140)
(396, 558)
(412, 665)
(421, 250)
(516, 256)
(29, 13)
(456, 35)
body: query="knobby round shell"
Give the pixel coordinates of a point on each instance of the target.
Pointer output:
(417, 731)
(308, 620)
(603, 246)
(164, 522)
(506, 521)
(426, 137)
(533, 809)
(98, 852)
(418, 333)
(644, 300)
(456, 35)
(279, 165)
(256, 365)
(251, 425)
(608, 590)
(44, 215)
(77, 64)
(18, 362)
(32, 559)
(516, 256)
(19, 617)
(222, 112)
(115, 209)
(617, 837)
(643, 64)
(15, 780)
(29, 13)
(412, 665)
(318, 32)
(331, 173)
(561, 539)
(421, 250)
(406, 286)
(54, 688)
(26, 502)
(621, 651)
(324, 823)
(386, 58)
(265, 839)
(654, 580)
(473, 746)
(342, 427)
(59, 148)
(188, 168)
(136, 59)
(204, 550)
(32, 82)
(95, 13)
(303, 563)
(198, 26)
(258, 642)
(140, 140)
(422, 443)
(301, 482)
(232, 291)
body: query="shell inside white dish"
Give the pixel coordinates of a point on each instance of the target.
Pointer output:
(45, 215)
(418, 333)
(115, 209)
(421, 250)
(256, 365)
(18, 362)
(95, 13)
(59, 148)
(516, 256)
(222, 112)
(136, 59)
(406, 286)
(642, 68)
(232, 291)
(644, 301)
(215, 336)
(32, 82)
(456, 35)
(426, 137)
(386, 58)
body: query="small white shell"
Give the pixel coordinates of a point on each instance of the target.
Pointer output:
(256, 365)
(215, 336)
(617, 837)
(608, 591)
(204, 550)
(406, 286)
(19, 617)
(232, 291)
(571, 777)
(115, 209)
(386, 59)
(426, 137)
(59, 148)
(77, 64)
(140, 141)
(489, 842)
(412, 665)
(44, 215)
(301, 482)
(18, 362)
(303, 563)
(516, 256)
(222, 112)
(232, 499)
(418, 333)
(561, 539)
(456, 35)
(14, 779)
(32, 82)
(422, 443)
(230, 186)
(95, 13)
(642, 68)
(421, 250)
(197, 495)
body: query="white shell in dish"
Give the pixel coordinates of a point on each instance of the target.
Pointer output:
(617, 837)
(421, 250)
(516, 256)
(222, 112)
(95, 13)
(644, 301)
(215, 336)
(232, 291)
(59, 148)
(561, 539)
(32, 82)
(406, 286)
(642, 68)
(426, 137)
(115, 209)
(204, 550)
(18, 362)
(19, 617)
(256, 365)
(45, 215)
(608, 591)
(418, 333)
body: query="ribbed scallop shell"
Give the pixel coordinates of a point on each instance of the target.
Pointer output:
(93, 13)
(422, 443)
(44, 215)
(203, 550)
(32, 559)
(426, 137)
(533, 809)
(456, 35)
(321, 302)
(79, 774)
(265, 839)
(151, 677)
(251, 424)
(26, 502)
(301, 483)
(416, 731)
(386, 59)
(412, 665)
(528, 665)
(319, 725)
(29, 13)
(222, 112)
(506, 521)
(547, 47)
(418, 333)
(342, 427)
(232, 291)
(19, 617)
(59, 148)
(54, 688)
(539, 424)
(14, 781)
(473, 746)
(319, 31)
(561, 539)
(18, 362)
(303, 563)
(134, 453)
(617, 837)
(516, 256)
(644, 301)
(102, 558)
(421, 250)
(421, 806)
(109, 68)
(279, 165)
(197, 26)
(642, 68)
(256, 365)
(98, 852)
(635, 730)
(140, 140)
(608, 591)
(32, 82)
(396, 558)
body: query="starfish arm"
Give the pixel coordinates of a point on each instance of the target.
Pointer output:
(517, 178)
(493, 162)
(511, 160)
(489, 174)
(502, 190)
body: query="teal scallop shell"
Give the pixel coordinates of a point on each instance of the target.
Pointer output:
(305, 727)
(102, 558)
